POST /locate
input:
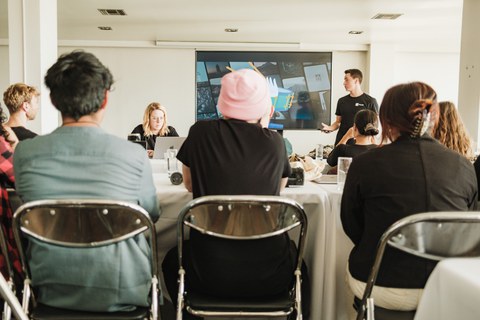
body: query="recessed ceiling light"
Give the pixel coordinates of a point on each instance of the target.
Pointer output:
(105, 28)
(231, 30)
(355, 32)
(387, 16)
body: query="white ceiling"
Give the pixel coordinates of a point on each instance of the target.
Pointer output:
(313, 23)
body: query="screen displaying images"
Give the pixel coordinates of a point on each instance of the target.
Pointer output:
(300, 83)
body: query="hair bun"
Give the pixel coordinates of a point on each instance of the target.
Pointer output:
(370, 130)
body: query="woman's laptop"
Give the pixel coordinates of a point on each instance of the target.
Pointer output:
(164, 143)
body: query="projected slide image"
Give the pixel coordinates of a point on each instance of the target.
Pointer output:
(215, 85)
(317, 78)
(291, 69)
(205, 101)
(299, 84)
(267, 68)
(296, 85)
(217, 69)
(240, 65)
(202, 78)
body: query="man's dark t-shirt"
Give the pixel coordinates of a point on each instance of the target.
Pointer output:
(348, 106)
(23, 133)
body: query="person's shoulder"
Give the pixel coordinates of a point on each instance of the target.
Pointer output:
(138, 129)
(368, 97)
(345, 98)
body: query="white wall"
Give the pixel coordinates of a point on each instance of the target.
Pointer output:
(440, 70)
(143, 75)
(4, 73)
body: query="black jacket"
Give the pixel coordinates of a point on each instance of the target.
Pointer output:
(388, 183)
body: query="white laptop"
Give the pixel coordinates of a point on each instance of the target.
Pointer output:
(164, 143)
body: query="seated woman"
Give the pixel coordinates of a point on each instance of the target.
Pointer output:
(450, 130)
(358, 138)
(413, 174)
(154, 125)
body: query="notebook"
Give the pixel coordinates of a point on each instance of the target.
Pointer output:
(164, 143)
(326, 179)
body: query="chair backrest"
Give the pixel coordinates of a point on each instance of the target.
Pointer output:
(438, 235)
(83, 223)
(431, 235)
(243, 217)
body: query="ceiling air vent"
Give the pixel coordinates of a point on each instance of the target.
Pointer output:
(112, 12)
(387, 16)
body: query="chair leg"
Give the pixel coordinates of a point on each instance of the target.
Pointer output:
(11, 302)
(154, 308)
(370, 309)
(298, 294)
(181, 290)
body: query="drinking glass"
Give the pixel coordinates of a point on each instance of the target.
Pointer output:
(171, 157)
(319, 152)
(343, 165)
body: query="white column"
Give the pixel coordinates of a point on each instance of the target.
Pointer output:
(469, 82)
(32, 50)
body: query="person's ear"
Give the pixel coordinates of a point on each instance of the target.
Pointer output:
(25, 106)
(105, 100)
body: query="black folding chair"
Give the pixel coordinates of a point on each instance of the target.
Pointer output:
(435, 236)
(90, 223)
(241, 218)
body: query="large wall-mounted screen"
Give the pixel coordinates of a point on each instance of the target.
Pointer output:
(300, 82)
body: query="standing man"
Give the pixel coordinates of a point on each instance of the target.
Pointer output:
(22, 103)
(350, 104)
(79, 160)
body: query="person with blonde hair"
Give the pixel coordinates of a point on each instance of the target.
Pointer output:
(23, 104)
(154, 125)
(450, 130)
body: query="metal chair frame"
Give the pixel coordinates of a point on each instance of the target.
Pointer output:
(9, 283)
(35, 219)
(188, 218)
(395, 236)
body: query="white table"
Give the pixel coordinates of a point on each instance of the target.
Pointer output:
(326, 249)
(452, 291)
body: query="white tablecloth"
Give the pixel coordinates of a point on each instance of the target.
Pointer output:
(452, 291)
(326, 249)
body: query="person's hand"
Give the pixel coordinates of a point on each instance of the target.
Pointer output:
(326, 128)
(150, 153)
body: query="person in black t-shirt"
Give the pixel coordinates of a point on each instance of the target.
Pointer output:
(358, 138)
(350, 104)
(234, 156)
(23, 104)
(154, 125)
